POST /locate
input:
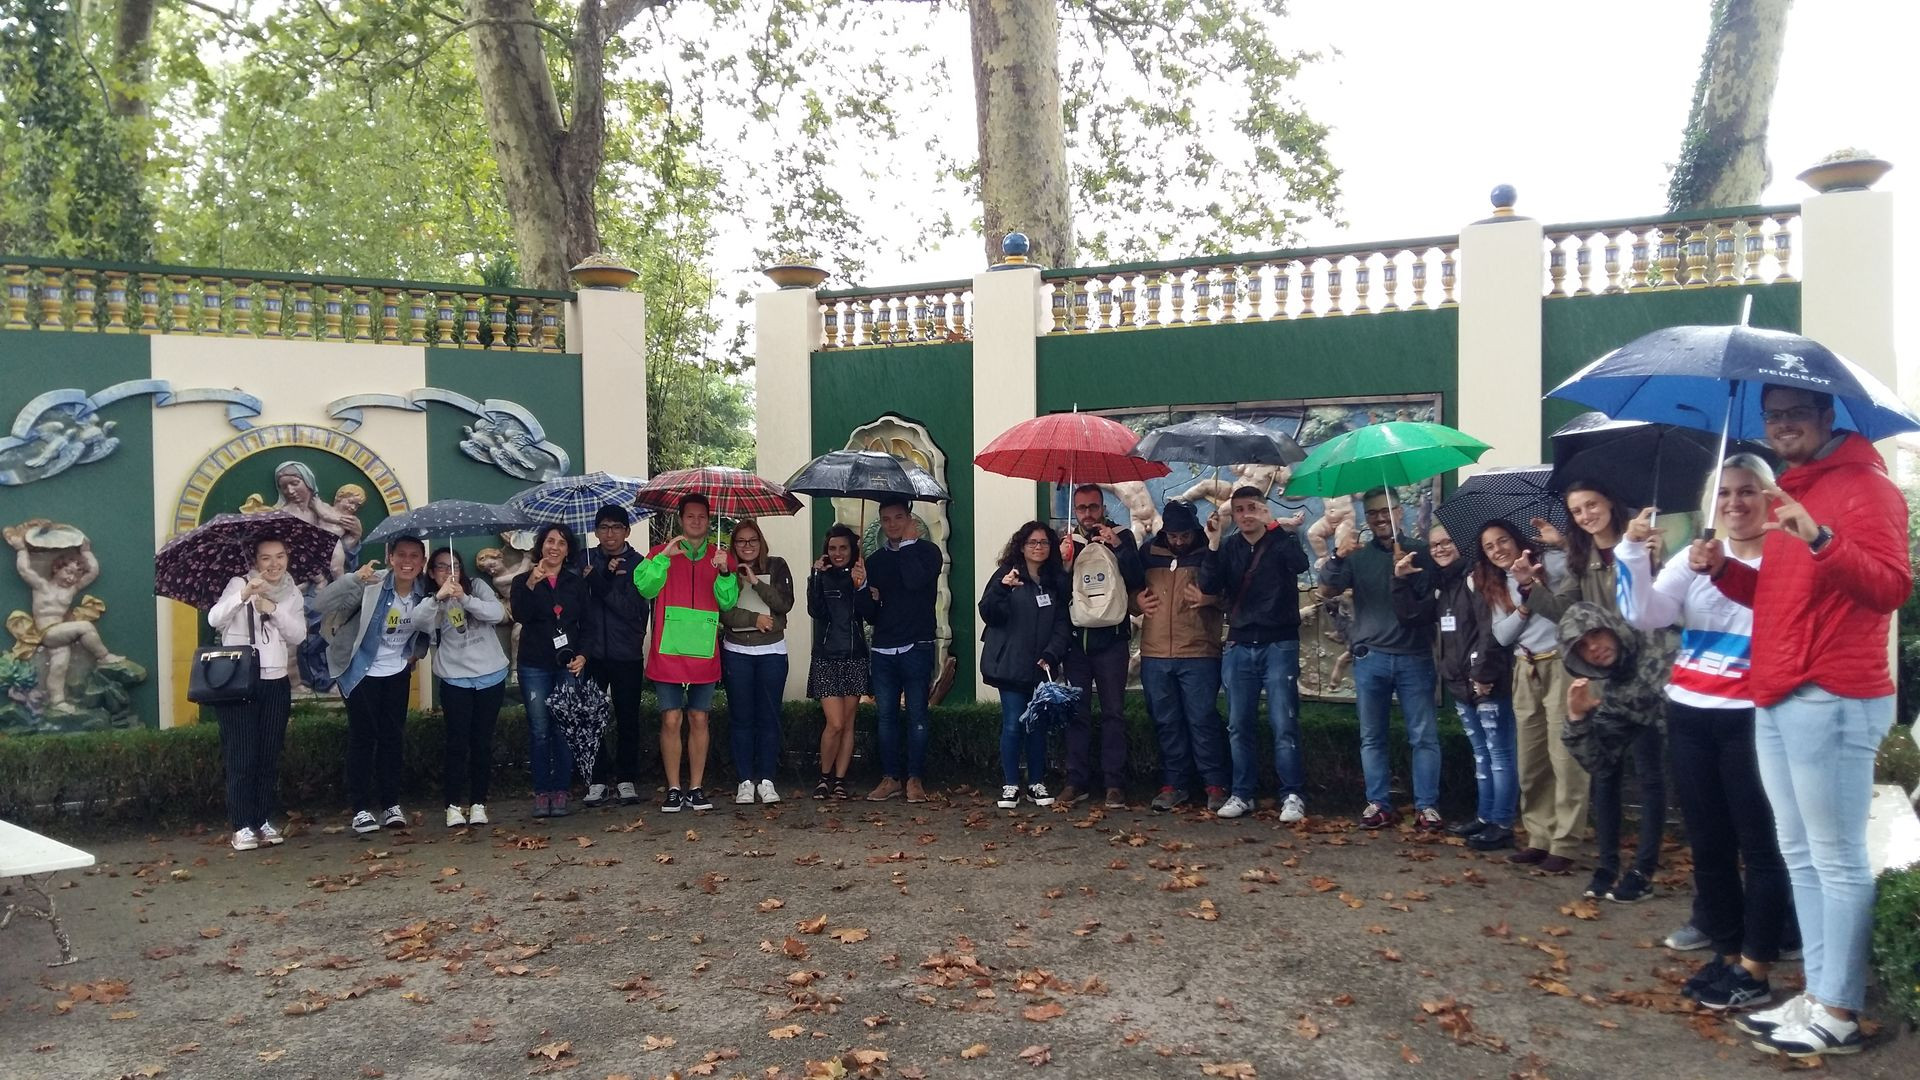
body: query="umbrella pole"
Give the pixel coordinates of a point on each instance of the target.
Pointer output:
(1719, 459)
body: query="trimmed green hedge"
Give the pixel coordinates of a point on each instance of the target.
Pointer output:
(128, 775)
(1896, 940)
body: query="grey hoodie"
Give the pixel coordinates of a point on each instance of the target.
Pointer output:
(1630, 690)
(470, 649)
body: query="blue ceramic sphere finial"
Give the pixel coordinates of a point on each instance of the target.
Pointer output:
(1016, 246)
(1504, 196)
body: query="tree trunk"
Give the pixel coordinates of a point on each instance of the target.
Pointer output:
(1022, 130)
(1723, 157)
(132, 57)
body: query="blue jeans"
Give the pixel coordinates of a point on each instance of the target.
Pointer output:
(1490, 728)
(551, 757)
(1377, 678)
(911, 671)
(1247, 670)
(1013, 737)
(1816, 753)
(1183, 695)
(754, 686)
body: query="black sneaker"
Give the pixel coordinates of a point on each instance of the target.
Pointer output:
(671, 804)
(1491, 838)
(1735, 989)
(1602, 881)
(697, 799)
(1467, 828)
(1709, 973)
(1632, 888)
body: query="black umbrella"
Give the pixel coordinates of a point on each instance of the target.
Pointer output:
(580, 709)
(1516, 494)
(1219, 440)
(868, 475)
(444, 519)
(1641, 464)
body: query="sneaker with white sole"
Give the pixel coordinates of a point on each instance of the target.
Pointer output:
(629, 795)
(672, 803)
(1687, 939)
(1820, 1032)
(744, 793)
(244, 840)
(269, 834)
(697, 799)
(1293, 808)
(477, 814)
(394, 818)
(365, 822)
(769, 793)
(1009, 796)
(1736, 989)
(1039, 795)
(596, 794)
(456, 817)
(1792, 1011)
(1233, 807)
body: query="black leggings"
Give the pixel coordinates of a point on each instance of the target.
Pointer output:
(470, 716)
(252, 734)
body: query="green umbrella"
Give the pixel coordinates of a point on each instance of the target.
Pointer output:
(1389, 455)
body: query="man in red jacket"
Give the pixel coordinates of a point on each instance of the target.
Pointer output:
(1832, 572)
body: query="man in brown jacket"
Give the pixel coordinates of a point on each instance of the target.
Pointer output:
(1180, 661)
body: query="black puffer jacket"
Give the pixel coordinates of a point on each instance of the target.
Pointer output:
(615, 627)
(1631, 691)
(1025, 624)
(840, 613)
(1463, 627)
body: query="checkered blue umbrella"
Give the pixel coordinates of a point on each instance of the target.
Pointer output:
(574, 500)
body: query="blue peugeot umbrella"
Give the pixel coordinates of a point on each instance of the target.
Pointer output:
(1712, 378)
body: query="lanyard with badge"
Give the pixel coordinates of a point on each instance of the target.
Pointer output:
(560, 642)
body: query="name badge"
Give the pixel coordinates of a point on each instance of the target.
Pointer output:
(559, 640)
(458, 617)
(1042, 600)
(1447, 624)
(393, 619)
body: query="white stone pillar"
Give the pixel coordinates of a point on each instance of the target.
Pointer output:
(608, 328)
(1007, 312)
(1501, 260)
(787, 329)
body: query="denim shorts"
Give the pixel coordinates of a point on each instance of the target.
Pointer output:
(697, 697)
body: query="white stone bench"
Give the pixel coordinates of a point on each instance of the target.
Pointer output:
(1893, 830)
(34, 859)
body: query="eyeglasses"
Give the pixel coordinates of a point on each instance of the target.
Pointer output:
(1438, 545)
(744, 541)
(620, 525)
(1089, 506)
(1797, 414)
(1039, 542)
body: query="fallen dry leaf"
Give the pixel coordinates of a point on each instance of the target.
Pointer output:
(552, 1051)
(657, 1042)
(1407, 1055)
(812, 926)
(791, 1031)
(1044, 1012)
(1581, 909)
(851, 935)
(272, 1055)
(977, 1050)
(1232, 1070)
(1306, 1028)
(771, 903)
(1037, 1055)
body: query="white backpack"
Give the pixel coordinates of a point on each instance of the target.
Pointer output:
(1099, 595)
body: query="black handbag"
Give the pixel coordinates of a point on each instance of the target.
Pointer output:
(225, 674)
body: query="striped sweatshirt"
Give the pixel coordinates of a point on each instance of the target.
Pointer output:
(1716, 642)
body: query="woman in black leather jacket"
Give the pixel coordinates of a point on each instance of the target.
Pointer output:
(840, 606)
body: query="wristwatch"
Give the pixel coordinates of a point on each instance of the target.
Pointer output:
(1820, 539)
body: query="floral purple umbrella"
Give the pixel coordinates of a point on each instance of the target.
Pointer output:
(580, 710)
(195, 566)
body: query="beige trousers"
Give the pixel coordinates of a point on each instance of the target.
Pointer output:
(1553, 786)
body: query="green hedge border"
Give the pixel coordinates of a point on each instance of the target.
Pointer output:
(143, 773)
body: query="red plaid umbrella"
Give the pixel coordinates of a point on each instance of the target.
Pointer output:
(1075, 447)
(735, 493)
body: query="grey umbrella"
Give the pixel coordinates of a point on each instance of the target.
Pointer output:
(865, 474)
(1220, 440)
(444, 519)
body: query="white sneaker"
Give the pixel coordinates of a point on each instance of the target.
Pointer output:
(1292, 810)
(1039, 795)
(744, 793)
(270, 835)
(596, 794)
(628, 795)
(1819, 1032)
(1009, 796)
(245, 840)
(1233, 807)
(477, 815)
(394, 818)
(456, 817)
(365, 822)
(1793, 1011)
(768, 793)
